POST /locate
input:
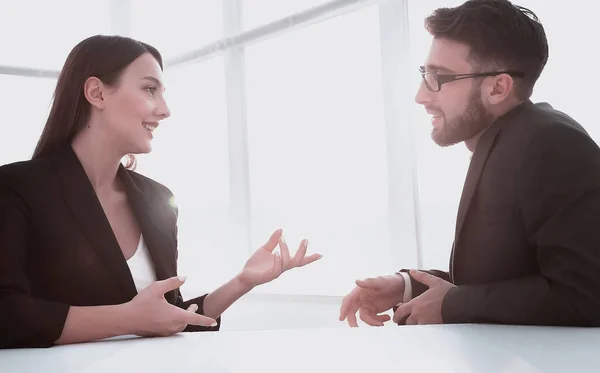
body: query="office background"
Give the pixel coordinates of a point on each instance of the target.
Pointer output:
(295, 114)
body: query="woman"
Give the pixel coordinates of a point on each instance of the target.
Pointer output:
(88, 247)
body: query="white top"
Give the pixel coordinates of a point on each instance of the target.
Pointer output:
(141, 266)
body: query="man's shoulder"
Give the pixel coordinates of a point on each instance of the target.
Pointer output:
(544, 118)
(540, 124)
(552, 142)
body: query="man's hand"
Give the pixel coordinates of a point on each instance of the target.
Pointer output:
(427, 307)
(370, 298)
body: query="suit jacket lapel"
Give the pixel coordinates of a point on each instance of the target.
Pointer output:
(480, 156)
(83, 202)
(151, 212)
(484, 145)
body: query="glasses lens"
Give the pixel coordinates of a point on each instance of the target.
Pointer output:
(431, 81)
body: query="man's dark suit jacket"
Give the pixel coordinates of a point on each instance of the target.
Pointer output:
(57, 248)
(527, 240)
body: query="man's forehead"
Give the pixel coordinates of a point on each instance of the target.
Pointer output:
(447, 56)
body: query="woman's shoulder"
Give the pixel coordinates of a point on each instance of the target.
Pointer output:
(148, 183)
(27, 171)
(40, 169)
(152, 187)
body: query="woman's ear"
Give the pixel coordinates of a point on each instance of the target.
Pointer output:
(93, 90)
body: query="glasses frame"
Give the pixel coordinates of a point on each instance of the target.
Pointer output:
(447, 78)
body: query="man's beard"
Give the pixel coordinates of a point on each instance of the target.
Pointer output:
(474, 120)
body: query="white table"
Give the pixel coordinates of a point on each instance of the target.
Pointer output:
(438, 348)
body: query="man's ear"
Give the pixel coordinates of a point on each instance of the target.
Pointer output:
(498, 88)
(94, 90)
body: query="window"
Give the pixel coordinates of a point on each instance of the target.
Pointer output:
(40, 34)
(27, 103)
(317, 144)
(317, 149)
(441, 171)
(177, 26)
(190, 157)
(260, 12)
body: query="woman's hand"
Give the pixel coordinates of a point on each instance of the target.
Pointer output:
(152, 315)
(264, 266)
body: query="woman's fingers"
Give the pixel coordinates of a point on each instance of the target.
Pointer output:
(285, 253)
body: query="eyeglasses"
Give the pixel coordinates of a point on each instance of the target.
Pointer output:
(433, 80)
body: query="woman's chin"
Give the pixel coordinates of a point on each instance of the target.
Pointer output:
(143, 148)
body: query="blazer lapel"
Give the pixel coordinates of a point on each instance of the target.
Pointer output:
(478, 160)
(83, 202)
(151, 213)
(480, 156)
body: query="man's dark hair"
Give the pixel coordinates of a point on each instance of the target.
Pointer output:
(501, 35)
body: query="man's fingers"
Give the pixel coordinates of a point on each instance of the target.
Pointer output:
(402, 321)
(273, 241)
(369, 317)
(343, 310)
(348, 309)
(384, 318)
(425, 278)
(352, 319)
(411, 320)
(370, 283)
(402, 312)
(348, 302)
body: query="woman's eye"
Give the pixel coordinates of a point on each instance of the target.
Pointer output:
(151, 90)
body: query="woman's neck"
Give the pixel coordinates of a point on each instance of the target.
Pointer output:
(98, 157)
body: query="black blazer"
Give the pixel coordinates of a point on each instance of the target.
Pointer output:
(57, 247)
(527, 240)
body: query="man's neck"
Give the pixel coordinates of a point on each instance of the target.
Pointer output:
(472, 142)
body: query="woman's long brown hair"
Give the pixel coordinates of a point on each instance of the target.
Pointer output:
(101, 56)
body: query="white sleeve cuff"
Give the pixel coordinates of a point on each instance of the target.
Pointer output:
(407, 288)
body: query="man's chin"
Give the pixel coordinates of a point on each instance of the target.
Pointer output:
(441, 139)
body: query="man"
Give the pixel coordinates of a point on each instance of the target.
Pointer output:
(527, 240)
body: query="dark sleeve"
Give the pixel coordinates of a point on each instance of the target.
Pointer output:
(558, 190)
(198, 301)
(419, 288)
(24, 321)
